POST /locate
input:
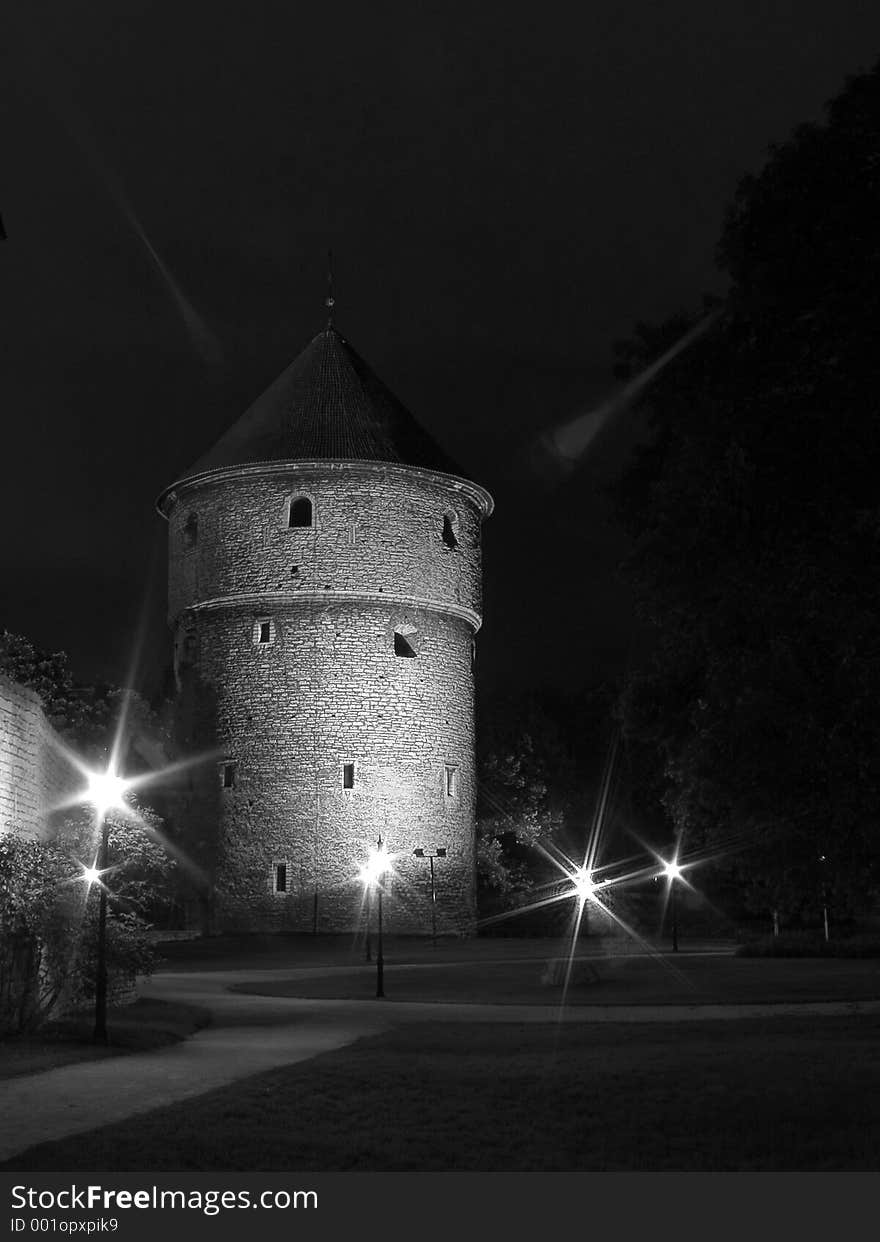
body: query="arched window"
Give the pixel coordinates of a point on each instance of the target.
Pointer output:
(300, 512)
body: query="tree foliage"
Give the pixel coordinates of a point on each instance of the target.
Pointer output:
(49, 914)
(755, 523)
(86, 716)
(539, 760)
(33, 932)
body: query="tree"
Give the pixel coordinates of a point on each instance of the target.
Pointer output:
(33, 932)
(539, 759)
(47, 929)
(139, 880)
(756, 530)
(49, 913)
(86, 716)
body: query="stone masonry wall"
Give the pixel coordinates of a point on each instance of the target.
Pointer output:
(376, 529)
(329, 690)
(35, 775)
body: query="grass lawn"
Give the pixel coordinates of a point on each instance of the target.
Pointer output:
(774, 1094)
(681, 980)
(271, 952)
(139, 1027)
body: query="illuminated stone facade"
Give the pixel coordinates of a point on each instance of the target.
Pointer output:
(36, 777)
(324, 597)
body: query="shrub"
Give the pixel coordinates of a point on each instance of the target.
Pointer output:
(34, 931)
(49, 915)
(811, 945)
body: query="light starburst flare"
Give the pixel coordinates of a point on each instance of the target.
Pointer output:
(375, 867)
(106, 791)
(584, 884)
(672, 870)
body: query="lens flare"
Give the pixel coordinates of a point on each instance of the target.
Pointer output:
(106, 791)
(584, 884)
(567, 444)
(375, 867)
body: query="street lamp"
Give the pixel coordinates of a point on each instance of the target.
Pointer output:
(823, 873)
(105, 791)
(584, 888)
(371, 874)
(672, 871)
(439, 852)
(584, 884)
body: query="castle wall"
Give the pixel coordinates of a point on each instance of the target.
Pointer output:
(35, 776)
(329, 690)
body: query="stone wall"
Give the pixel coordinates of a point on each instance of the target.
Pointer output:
(328, 689)
(377, 529)
(35, 774)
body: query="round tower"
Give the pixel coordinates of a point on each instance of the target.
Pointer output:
(324, 597)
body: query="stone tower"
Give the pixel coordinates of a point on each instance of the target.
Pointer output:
(324, 597)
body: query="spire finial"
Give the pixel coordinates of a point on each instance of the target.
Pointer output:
(329, 301)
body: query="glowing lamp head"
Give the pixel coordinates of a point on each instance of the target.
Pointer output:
(375, 867)
(671, 870)
(91, 874)
(106, 790)
(584, 885)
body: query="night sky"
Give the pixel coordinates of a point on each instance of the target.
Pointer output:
(506, 190)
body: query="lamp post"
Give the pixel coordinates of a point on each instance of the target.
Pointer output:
(824, 876)
(371, 874)
(380, 960)
(105, 791)
(672, 871)
(100, 1035)
(439, 852)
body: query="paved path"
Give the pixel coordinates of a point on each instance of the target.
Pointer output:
(251, 1033)
(37, 1108)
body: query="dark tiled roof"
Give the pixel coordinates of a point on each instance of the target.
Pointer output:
(328, 404)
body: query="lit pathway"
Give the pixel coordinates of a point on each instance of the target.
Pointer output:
(72, 1099)
(251, 1033)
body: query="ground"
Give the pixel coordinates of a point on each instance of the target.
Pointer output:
(694, 1061)
(139, 1027)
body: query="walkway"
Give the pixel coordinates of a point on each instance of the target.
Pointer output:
(250, 1034)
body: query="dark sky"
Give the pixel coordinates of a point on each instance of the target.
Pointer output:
(506, 190)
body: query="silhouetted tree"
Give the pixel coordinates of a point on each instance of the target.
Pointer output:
(756, 527)
(539, 758)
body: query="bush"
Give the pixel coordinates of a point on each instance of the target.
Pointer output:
(49, 916)
(34, 932)
(811, 944)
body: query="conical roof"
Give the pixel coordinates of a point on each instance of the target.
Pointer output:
(328, 404)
